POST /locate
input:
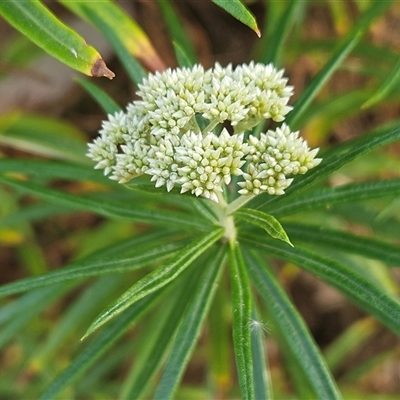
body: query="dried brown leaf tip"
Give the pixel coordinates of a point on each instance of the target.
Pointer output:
(100, 69)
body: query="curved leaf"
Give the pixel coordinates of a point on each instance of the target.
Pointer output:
(292, 330)
(190, 327)
(332, 161)
(371, 298)
(100, 96)
(343, 241)
(158, 278)
(101, 343)
(240, 12)
(345, 47)
(329, 197)
(36, 22)
(147, 249)
(265, 221)
(126, 37)
(108, 208)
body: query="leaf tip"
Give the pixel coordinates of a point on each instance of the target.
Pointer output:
(100, 69)
(257, 31)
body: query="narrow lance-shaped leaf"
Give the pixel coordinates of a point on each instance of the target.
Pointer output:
(98, 347)
(390, 83)
(190, 327)
(329, 197)
(159, 339)
(265, 221)
(241, 303)
(178, 36)
(343, 241)
(292, 329)
(107, 207)
(100, 264)
(36, 22)
(100, 96)
(371, 298)
(158, 278)
(127, 38)
(344, 48)
(240, 12)
(332, 161)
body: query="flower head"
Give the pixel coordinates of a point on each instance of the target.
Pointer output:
(176, 132)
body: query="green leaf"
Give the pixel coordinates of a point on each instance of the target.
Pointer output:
(344, 48)
(350, 341)
(181, 56)
(265, 221)
(44, 136)
(147, 249)
(109, 208)
(158, 278)
(291, 329)
(100, 96)
(343, 241)
(77, 314)
(240, 12)
(271, 45)
(329, 197)
(365, 294)
(158, 338)
(390, 83)
(332, 161)
(242, 306)
(37, 23)
(100, 344)
(262, 376)
(177, 34)
(38, 300)
(190, 327)
(126, 37)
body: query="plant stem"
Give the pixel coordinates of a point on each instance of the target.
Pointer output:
(238, 203)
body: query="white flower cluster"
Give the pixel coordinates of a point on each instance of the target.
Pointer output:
(174, 132)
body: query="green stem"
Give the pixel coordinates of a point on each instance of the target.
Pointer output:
(238, 203)
(211, 125)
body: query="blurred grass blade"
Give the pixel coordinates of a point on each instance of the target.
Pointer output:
(190, 327)
(343, 241)
(292, 330)
(38, 300)
(265, 221)
(148, 249)
(332, 161)
(107, 207)
(262, 376)
(47, 137)
(343, 49)
(158, 338)
(350, 341)
(83, 307)
(176, 32)
(240, 12)
(329, 197)
(100, 344)
(271, 45)
(100, 96)
(391, 83)
(158, 278)
(242, 305)
(183, 59)
(365, 294)
(46, 169)
(36, 22)
(126, 37)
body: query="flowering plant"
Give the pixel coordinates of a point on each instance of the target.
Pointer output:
(214, 208)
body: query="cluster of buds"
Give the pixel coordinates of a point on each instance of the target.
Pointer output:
(177, 132)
